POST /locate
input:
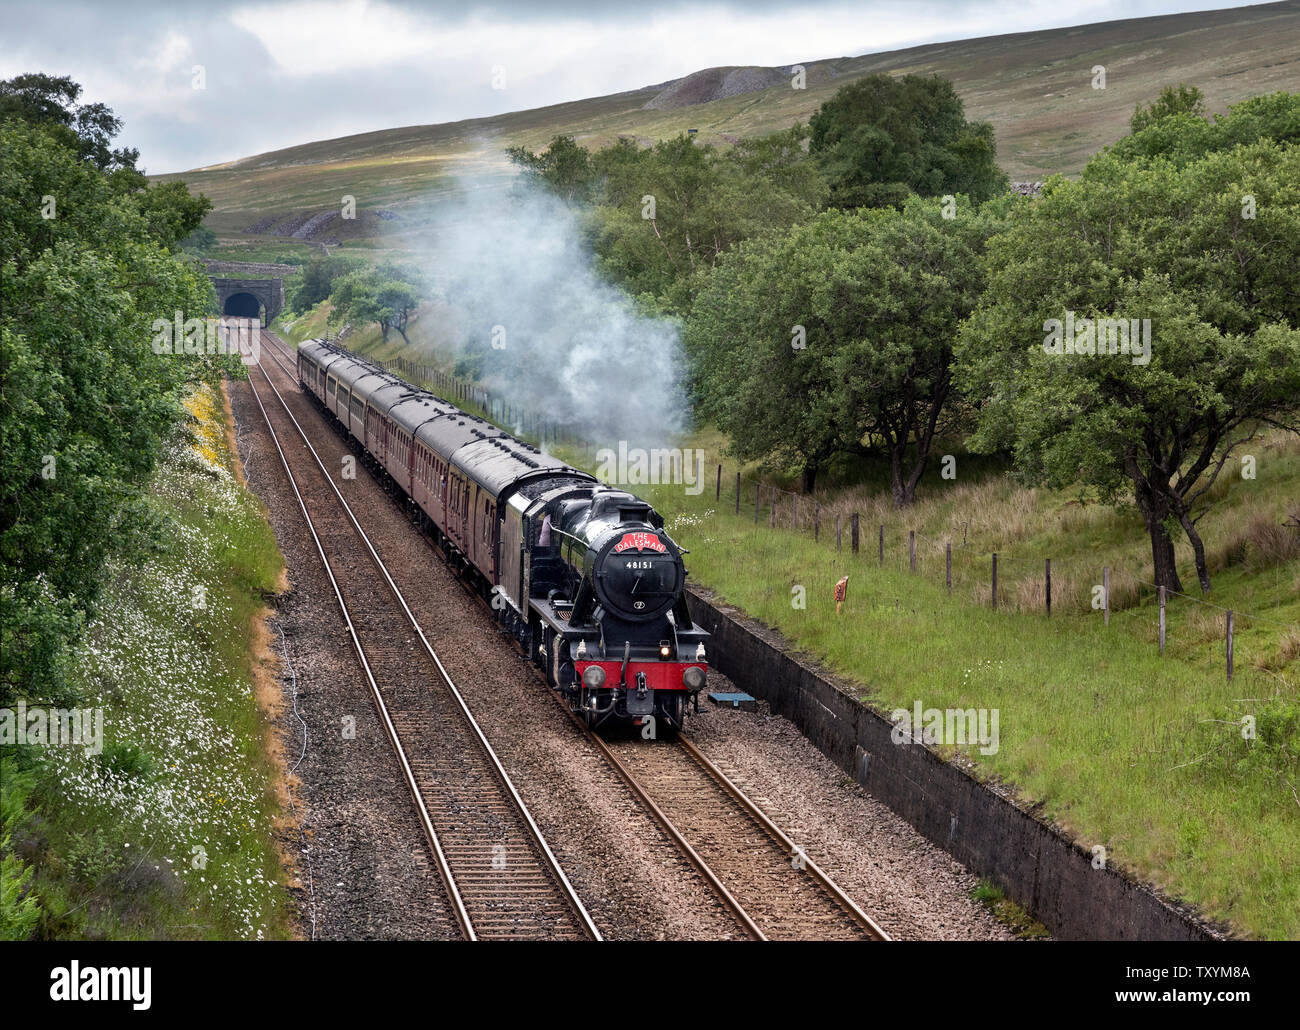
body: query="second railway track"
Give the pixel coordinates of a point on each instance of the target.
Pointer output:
(772, 889)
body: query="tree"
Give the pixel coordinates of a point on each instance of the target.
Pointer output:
(836, 337)
(200, 241)
(49, 100)
(564, 167)
(316, 281)
(882, 137)
(666, 214)
(86, 403)
(1180, 99)
(1202, 256)
(1182, 136)
(381, 295)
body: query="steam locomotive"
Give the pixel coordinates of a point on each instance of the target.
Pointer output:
(584, 576)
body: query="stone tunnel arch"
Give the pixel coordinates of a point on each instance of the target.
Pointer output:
(249, 298)
(242, 305)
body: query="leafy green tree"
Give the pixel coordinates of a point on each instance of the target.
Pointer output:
(1185, 136)
(668, 213)
(50, 100)
(564, 168)
(1205, 254)
(316, 280)
(200, 241)
(86, 402)
(836, 337)
(1180, 99)
(381, 295)
(882, 137)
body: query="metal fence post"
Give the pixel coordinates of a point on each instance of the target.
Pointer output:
(1229, 645)
(1161, 592)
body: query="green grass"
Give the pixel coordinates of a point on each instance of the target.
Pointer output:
(168, 833)
(1006, 911)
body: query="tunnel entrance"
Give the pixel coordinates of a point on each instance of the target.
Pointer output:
(242, 305)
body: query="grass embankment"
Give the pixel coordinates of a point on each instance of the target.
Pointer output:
(1141, 754)
(168, 832)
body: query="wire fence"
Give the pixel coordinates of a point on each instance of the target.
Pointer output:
(997, 579)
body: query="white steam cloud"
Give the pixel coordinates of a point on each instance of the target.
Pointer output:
(549, 335)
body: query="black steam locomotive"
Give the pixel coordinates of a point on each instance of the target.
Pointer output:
(583, 576)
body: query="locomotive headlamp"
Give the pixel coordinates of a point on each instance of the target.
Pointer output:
(693, 678)
(665, 649)
(594, 677)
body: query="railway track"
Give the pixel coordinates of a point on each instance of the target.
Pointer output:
(772, 889)
(501, 878)
(771, 885)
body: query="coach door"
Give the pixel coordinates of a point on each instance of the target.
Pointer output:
(455, 521)
(487, 536)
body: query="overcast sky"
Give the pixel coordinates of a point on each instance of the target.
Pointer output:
(280, 73)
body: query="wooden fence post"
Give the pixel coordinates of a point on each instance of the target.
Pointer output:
(717, 494)
(911, 550)
(853, 531)
(1229, 645)
(774, 507)
(947, 549)
(1161, 592)
(1047, 582)
(737, 491)
(758, 487)
(1105, 596)
(794, 513)
(995, 580)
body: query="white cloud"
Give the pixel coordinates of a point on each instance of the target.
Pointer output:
(306, 38)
